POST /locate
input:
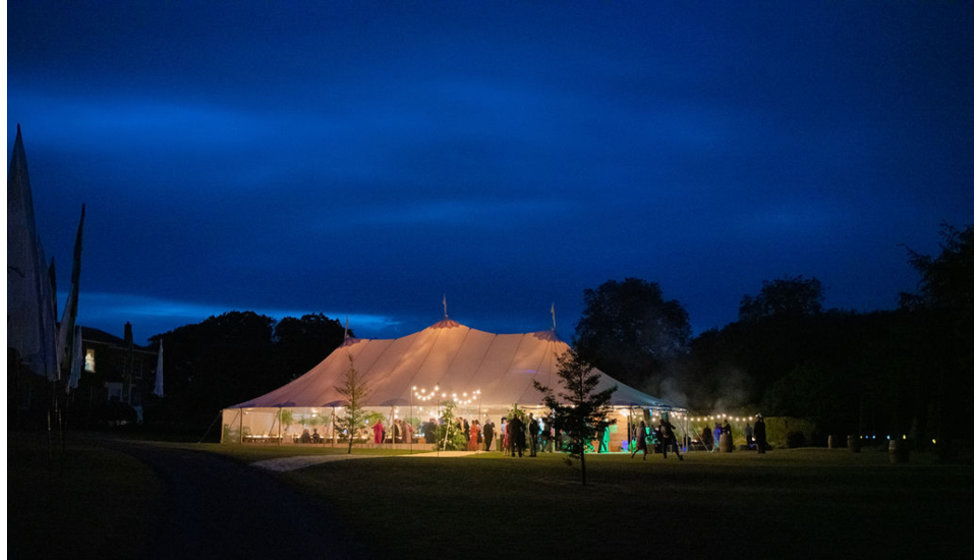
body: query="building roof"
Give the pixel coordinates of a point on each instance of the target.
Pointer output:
(90, 334)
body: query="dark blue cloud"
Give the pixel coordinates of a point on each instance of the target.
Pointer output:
(364, 158)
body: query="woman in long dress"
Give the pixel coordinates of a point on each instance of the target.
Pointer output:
(474, 443)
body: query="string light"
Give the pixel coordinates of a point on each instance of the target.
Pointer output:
(424, 395)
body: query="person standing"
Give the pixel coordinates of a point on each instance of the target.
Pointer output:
(474, 436)
(533, 429)
(487, 435)
(748, 435)
(379, 432)
(668, 438)
(641, 440)
(726, 432)
(516, 429)
(429, 431)
(706, 439)
(504, 435)
(759, 431)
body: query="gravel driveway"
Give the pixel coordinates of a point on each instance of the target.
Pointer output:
(218, 508)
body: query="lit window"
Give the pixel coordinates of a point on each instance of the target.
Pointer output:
(90, 360)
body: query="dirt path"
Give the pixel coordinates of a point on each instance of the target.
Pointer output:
(284, 464)
(218, 508)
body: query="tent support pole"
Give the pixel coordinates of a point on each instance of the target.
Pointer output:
(629, 429)
(221, 438)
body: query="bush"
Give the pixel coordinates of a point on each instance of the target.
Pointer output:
(779, 430)
(795, 439)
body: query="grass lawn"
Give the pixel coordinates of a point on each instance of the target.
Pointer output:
(250, 453)
(806, 503)
(810, 503)
(77, 500)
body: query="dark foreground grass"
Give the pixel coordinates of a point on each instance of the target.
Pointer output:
(77, 500)
(786, 504)
(812, 503)
(251, 453)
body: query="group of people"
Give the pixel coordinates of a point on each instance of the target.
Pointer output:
(514, 435)
(662, 436)
(712, 438)
(755, 436)
(533, 435)
(517, 434)
(401, 431)
(306, 437)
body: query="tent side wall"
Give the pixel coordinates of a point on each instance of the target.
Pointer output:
(231, 427)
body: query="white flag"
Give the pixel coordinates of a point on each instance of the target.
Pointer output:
(158, 386)
(30, 301)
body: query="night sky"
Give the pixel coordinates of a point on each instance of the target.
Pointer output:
(362, 159)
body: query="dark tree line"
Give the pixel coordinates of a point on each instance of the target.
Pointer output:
(904, 371)
(234, 357)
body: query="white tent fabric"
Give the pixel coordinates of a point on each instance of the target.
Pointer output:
(454, 357)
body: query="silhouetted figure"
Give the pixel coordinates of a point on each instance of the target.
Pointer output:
(534, 429)
(517, 440)
(668, 438)
(429, 431)
(641, 440)
(706, 438)
(748, 435)
(759, 430)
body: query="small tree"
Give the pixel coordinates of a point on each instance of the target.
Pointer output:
(355, 390)
(285, 419)
(449, 434)
(579, 410)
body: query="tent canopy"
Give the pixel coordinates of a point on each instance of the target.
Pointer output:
(453, 357)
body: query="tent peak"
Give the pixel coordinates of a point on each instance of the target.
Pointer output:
(446, 324)
(550, 336)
